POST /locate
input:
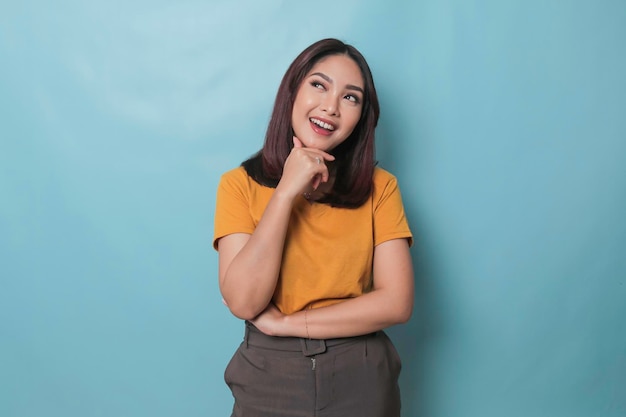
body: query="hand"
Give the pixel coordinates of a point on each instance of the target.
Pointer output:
(305, 168)
(269, 321)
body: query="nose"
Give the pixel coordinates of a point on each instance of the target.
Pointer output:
(330, 105)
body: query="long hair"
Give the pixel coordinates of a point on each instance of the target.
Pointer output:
(354, 156)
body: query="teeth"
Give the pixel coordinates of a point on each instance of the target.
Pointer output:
(322, 124)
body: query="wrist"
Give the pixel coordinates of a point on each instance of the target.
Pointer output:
(282, 195)
(293, 325)
(306, 325)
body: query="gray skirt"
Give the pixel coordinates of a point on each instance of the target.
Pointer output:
(294, 377)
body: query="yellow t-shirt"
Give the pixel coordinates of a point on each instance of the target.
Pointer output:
(328, 251)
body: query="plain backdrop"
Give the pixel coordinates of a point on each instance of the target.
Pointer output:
(504, 122)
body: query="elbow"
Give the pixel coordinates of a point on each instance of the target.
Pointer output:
(404, 317)
(401, 318)
(403, 314)
(243, 311)
(243, 315)
(243, 306)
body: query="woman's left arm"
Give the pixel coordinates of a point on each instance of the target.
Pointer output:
(390, 302)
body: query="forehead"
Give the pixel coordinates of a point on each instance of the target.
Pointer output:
(340, 68)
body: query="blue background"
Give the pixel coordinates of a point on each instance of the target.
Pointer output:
(503, 120)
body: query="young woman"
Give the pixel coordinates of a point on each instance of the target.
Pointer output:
(314, 250)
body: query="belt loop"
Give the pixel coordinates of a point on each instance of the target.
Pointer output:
(245, 336)
(312, 351)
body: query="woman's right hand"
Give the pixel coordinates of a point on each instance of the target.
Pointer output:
(249, 264)
(304, 170)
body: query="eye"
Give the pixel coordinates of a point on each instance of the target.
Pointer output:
(317, 84)
(352, 98)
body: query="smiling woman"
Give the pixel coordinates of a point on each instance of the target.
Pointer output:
(314, 250)
(328, 103)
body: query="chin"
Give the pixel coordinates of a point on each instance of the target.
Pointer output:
(322, 147)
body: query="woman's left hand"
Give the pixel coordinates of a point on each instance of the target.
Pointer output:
(269, 320)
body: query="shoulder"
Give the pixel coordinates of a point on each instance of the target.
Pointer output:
(382, 176)
(240, 176)
(236, 177)
(383, 181)
(237, 184)
(235, 174)
(385, 189)
(234, 182)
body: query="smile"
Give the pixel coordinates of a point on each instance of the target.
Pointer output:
(322, 124)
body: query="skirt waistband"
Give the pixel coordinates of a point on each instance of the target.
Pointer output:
(308, 347)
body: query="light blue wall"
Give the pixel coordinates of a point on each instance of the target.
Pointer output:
(504, 121)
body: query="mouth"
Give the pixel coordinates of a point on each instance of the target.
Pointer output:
(322, 124)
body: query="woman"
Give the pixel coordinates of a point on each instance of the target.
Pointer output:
(314, 250)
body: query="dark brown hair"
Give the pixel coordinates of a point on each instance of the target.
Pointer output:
(354, 157)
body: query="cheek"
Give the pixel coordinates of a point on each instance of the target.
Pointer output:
(298, 125)
(300, 108)
(304, 103)
(355, 116)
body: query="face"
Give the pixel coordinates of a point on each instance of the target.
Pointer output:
(328, 103)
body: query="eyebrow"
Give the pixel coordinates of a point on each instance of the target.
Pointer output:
(328, 79)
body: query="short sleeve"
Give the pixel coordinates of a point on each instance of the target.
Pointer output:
(390, 221)
(232, 211)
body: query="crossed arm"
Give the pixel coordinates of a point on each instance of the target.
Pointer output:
(249, 266)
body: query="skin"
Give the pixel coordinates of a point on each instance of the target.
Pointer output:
(249, 264)
(332, 92)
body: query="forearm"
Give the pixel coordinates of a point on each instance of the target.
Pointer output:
(390, 302)
(365, 314)
(249, 281)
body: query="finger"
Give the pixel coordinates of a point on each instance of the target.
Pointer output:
(297, 143)
(316, 181)
(324, 155)
(322, 170)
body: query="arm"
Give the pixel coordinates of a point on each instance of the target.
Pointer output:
(249, 264)
(390, 302)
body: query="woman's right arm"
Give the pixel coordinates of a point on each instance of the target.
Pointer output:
(249, 264)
